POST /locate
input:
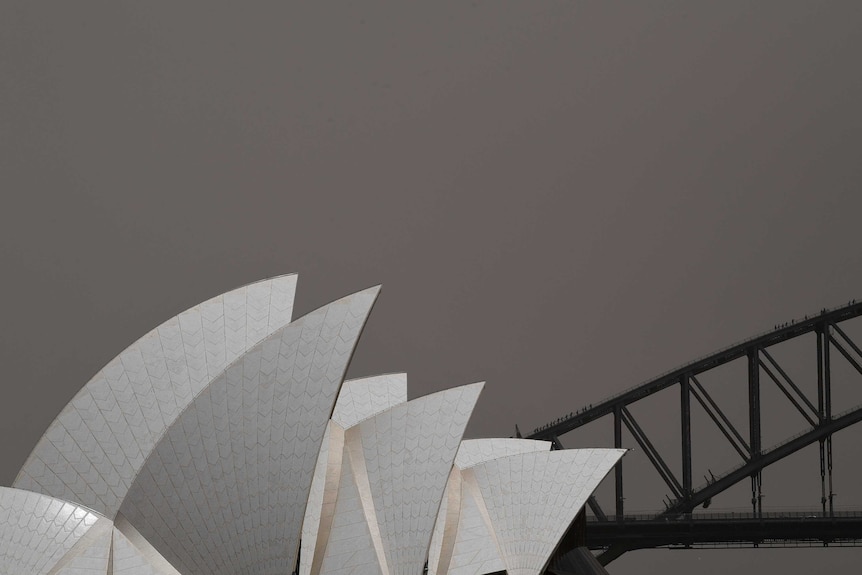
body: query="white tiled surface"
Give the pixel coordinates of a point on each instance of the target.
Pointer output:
(462, 542)
(224, 491)
(36, 531)
(206, 432)
(134, 555)
(94, 449)
(350, 549)
(128, 559)
(358, 400)
(446, 525)
(401, 459)
(363, 398)
(90, 555)
(475, 548)
(324, 487)
(532, 498)
(475, 451)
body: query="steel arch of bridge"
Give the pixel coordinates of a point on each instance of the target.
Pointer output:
(823, 423)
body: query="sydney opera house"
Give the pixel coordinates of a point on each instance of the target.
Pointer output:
(226, 442)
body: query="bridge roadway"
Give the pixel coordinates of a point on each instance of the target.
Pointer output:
(699, 530)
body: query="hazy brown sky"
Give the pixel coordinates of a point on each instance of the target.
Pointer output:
(561, 198)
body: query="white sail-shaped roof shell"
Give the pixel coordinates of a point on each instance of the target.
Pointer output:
(466, 543)
(394, 469)
(366, 397)
(38, 532)
(475, 451)
(131, 554)
(212, 443)
(225, 489)
(42, 535)
(359, 399)
(93, 450)
(463, 543)
(91, 555)
(531, 499)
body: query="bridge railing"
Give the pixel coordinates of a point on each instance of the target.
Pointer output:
(724, 516)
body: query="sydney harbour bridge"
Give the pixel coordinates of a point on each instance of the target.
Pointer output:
(685, 519)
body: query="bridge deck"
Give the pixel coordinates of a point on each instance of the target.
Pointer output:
(778, 529)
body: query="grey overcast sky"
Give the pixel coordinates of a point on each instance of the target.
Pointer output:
(560, 198)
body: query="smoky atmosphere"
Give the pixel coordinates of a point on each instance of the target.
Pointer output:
(561, 199)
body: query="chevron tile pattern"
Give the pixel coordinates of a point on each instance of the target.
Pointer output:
(363, 398)
(224, 438)
(475, 451)
(463, 542)
(94, 449)
(127, 558)
(225, 490)
(474, 550)
(409, 451)
(328, 467)
(37, 531)
(90, 555)
(358, 400)
(400, 460)
(350, 548)
(446, 525)
(532, 498)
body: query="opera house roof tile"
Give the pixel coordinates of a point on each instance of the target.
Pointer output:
(226, 438)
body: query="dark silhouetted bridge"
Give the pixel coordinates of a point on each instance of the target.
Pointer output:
(681, 523)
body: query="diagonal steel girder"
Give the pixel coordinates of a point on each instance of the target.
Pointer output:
(736, 351)
(767, 458)
(651, 453)
(720, 420)
(789, 382)
(829, 335)
(737, 475)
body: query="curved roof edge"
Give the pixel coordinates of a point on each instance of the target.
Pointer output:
(358, 399)
(405, 455)
(459, 509)
(38, 531)
(507, 487)
(264, 417)
(93, 449)
(475, 451)
(365, 397)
